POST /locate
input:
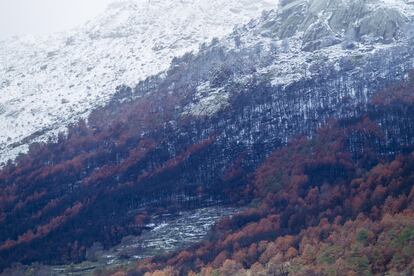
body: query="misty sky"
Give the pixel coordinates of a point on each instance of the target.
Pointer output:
(20, 17)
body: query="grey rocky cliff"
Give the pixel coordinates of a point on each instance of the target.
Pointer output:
(326, 22)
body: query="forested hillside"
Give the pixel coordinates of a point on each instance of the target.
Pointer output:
(339, 203)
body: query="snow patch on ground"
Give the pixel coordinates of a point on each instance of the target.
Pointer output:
(207, 101)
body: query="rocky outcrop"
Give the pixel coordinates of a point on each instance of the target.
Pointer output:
(327, 22)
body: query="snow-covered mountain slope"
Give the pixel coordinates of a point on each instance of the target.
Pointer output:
(49, 82)
(307, 39)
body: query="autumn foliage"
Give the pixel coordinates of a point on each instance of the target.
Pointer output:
(339, 203)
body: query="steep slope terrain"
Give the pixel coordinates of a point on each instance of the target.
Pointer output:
(192, 136)
(340, 203)
(47, 83)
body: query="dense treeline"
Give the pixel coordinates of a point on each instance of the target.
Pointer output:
(341, 202)
(143, 152)
(91, 184)
(357, 247)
